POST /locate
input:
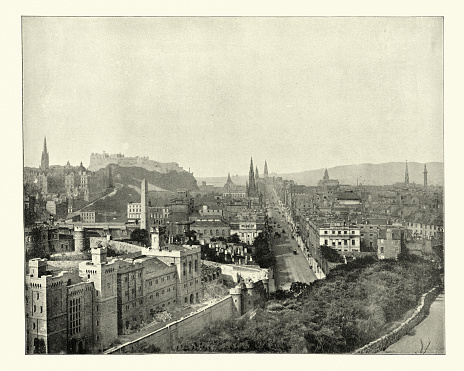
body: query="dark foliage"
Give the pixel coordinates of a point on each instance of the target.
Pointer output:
(262, 254)
(140, 235)
(353, 306)
(330, 254)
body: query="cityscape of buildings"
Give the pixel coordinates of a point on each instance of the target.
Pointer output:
(91, 281)
(233, 185)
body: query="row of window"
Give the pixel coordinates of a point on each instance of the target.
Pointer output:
(150, 297)
(339, 232)
(334, 243)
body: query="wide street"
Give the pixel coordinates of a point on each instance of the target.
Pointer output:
(290, 267)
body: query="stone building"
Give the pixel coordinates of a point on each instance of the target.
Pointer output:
(390, 243)
(66, 313)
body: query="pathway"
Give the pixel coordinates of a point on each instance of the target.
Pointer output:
(428, 337)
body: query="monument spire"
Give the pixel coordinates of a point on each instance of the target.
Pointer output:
(406, 174)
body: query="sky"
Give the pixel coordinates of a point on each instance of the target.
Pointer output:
(208, 93)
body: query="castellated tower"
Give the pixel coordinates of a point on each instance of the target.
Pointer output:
(144, 205)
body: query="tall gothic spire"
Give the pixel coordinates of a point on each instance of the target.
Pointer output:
(265, 170)
(44, 162)
(406, 174)
(228, 178)
(252, 190)
(256, 173)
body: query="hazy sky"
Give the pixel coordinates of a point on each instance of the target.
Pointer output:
(208, 93)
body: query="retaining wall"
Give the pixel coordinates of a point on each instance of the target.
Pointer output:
(118, 246)
(404, 328)
(170, 336)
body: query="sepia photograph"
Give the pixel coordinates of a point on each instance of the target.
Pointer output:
(233, 185)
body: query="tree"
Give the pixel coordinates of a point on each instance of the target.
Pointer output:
(330, 254)
(39, 245)
(233, 238)
(141, 235)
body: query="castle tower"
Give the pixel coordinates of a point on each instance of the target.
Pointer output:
(425, 176)
(406, 174)
(266, 174)
(79, 239)
(44, 162)
(99, 255)
(144, 205)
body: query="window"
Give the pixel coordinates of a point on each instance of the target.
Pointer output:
(33, 326)
(353, 242)
(37, 296)
(190, 267)
(345, 242)
(346, 232)
(97, 308)
(41, 309)
(196, 265)
(339, 232)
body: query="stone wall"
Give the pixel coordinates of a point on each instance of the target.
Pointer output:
(404, 328)
(246, 272)
(169, 337)
(118, 246)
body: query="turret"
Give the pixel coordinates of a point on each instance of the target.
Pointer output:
(37, 267)
(78, 239)
(99, 255)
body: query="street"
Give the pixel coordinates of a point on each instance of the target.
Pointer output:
(290, 267)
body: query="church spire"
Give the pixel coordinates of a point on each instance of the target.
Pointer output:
(406, 174)
(252, 191)
(326, 175)
(228, 178)
(265, 170)
(44, 162)
(256, 173)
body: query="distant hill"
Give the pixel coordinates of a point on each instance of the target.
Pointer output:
(367, 174)
(161, 187)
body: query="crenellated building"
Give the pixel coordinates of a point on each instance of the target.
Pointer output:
(85, 313)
